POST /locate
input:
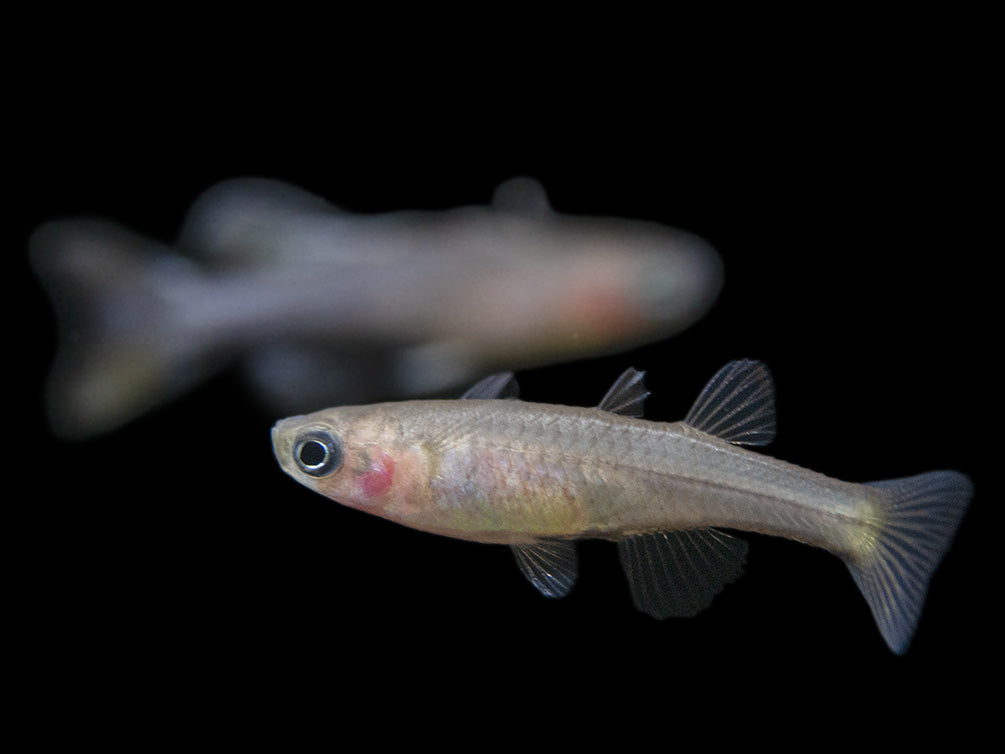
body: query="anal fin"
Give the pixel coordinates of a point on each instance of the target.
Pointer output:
(678, 573)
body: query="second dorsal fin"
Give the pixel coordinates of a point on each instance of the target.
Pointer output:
(737, 404)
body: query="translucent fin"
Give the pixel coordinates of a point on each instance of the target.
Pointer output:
(737, 404)
(551, 566)
(295, 377)
(522, 195)
(678, 573)
(627, 395)
(249, 220)
(919, 523)
(502, 385)
(114, 294)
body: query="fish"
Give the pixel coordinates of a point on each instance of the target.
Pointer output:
(492, 468)
(321, 306)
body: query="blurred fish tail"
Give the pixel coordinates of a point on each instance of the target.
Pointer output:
(120, 351)
(920, 518)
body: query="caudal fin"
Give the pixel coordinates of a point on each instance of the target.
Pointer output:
(921, 516)
(119, 350)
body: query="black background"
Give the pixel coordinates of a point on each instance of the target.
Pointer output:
(174, 563)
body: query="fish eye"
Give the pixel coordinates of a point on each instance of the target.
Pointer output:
(317, 453)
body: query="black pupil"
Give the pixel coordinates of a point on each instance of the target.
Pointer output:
(313, 453)
(317, 453)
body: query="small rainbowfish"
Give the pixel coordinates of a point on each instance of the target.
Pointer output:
(322, 306)
(537, 477)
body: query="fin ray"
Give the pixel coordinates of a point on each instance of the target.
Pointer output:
(922, 515)
(678, 573)
(502, 385)
(551, 566)
(627, 395)
(737, 404)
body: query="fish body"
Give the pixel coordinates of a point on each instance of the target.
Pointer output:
(533, 470)
(315, 301)
(538, 477)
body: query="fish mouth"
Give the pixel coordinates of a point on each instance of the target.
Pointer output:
(282, 443)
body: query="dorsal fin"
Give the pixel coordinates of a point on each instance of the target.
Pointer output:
(501, 385)
(737, 404)
(551, 565)
(678, 573)
(627, 395)
(523, 196)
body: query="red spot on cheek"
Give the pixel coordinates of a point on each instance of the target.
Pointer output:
(377, 479)
(604, 311)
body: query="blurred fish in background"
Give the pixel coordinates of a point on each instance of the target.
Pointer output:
(328, 307)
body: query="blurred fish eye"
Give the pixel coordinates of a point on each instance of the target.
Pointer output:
(317, 453)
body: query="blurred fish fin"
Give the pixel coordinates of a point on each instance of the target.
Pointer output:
(737, 404)
(916, 525)
(296, 377)
(436, 366)
(227, 221)
(627, 395)
(523, 196)
(678, 573)
(551, 565)
(502, 385)
(111, 293)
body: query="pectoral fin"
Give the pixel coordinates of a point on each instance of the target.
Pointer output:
(551, 566)
(677, 573)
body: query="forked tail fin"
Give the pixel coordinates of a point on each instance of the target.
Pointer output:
(114, 295)
(921, 516)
